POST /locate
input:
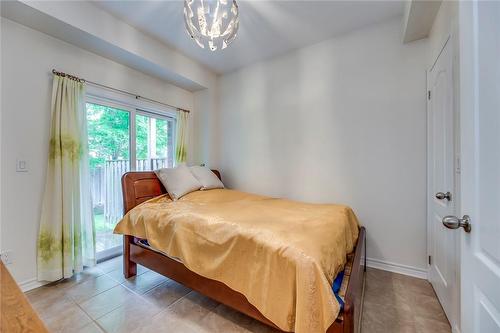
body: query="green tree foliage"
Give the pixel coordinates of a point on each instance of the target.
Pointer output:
(163, 137)
(108, 132)
(141, 132)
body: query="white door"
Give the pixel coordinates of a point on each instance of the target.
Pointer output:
(442, 242)
(480, 177)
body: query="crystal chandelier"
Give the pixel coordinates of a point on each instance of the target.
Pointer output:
(211, 23)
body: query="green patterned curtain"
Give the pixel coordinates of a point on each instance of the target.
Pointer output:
(181, 131)
(66, 240)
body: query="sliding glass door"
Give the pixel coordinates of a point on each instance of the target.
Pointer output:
(121, 138)
(109, 158)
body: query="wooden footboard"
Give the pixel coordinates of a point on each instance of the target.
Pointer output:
(141, 186)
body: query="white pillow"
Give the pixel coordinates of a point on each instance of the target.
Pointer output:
(206, 177)
(178, 181)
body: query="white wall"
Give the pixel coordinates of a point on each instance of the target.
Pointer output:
(205, 127)
(27, 59)
(341, 121)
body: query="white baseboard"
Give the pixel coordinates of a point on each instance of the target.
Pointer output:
(397, 268)
(31, 284)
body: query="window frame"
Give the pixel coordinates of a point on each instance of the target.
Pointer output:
(134, 106)
(157, 115)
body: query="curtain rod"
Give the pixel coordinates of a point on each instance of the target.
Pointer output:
(115, 89)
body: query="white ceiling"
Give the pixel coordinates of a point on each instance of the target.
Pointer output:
(267, 28)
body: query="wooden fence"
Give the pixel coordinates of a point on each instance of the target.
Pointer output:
(106, 184)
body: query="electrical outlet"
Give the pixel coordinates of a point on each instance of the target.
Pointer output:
(7, 257)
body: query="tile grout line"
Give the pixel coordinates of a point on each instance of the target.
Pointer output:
(102, 328)
(100, 292)
(138, 294)
(101, 315)
(135, 294)
(79, 307)
(88, 315)
(180, 298)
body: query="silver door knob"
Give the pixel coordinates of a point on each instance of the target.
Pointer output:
(441, 196)
(453, 222)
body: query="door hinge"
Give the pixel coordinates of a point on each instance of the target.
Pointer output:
(430, 260)
(428, 94)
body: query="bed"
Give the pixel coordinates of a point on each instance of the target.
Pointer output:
(139, 187)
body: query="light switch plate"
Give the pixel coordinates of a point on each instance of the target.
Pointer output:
(21, 166)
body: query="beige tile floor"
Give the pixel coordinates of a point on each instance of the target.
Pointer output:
(101, 300)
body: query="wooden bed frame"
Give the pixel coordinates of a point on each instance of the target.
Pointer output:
(141, 186)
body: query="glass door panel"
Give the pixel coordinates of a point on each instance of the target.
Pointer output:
(109, 158)
(154, 142)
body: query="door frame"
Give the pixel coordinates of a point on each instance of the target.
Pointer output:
(452, 42)
(97, 99)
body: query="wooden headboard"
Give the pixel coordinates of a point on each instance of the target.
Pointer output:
(139, 186)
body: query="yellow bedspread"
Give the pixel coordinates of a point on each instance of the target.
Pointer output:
(282, 255)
